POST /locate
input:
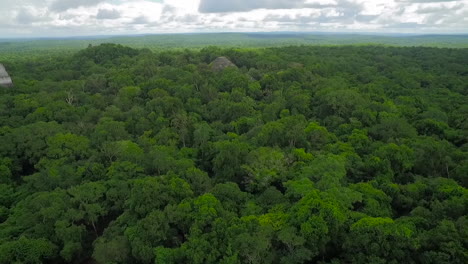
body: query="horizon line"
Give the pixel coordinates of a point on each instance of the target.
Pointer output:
(365, 33)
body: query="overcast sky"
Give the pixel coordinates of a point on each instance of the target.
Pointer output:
(48, 18)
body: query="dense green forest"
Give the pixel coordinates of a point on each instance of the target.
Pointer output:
(299, 154)
(14, 48)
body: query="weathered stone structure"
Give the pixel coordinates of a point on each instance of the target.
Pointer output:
(5, 79)
(221, 63)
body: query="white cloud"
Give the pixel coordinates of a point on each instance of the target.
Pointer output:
(28, 16)
(32, 18)
(63, 5)
(108, 14)
(219, 6)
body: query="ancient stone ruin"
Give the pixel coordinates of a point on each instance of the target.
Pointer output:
(221, 63)
(5, 79)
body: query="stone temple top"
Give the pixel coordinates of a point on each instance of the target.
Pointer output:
(5, 79)
(221, 63)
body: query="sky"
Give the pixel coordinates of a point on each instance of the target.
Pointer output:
(65, 18)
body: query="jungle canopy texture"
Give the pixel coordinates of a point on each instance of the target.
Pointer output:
(297, 155)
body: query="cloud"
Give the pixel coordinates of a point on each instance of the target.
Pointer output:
(404, 25)
(64, 5)
(188, 19)
(141, 20)
(108, 14)
(439, 8)
(366, 18)
(29, 18)
(302, 20)
(222, 6)
(426, 1)
(25, 17)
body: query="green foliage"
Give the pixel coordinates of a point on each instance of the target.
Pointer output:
(264, 166)
(299, 155)
(380, 240)
(26, 250)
